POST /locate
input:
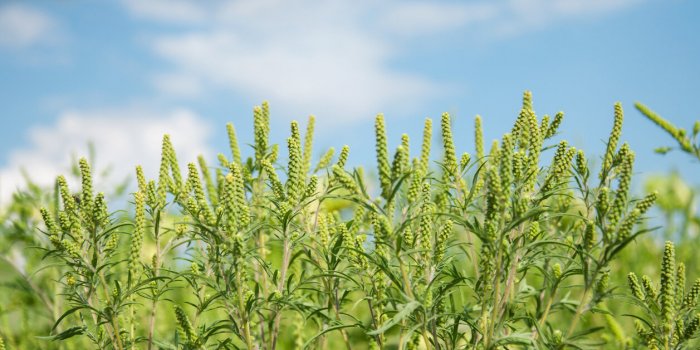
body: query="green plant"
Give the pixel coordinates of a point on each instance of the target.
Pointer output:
(671, 320)
(491, 251)
(686, 143)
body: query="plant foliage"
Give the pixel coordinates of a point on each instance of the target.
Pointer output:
(510, 248)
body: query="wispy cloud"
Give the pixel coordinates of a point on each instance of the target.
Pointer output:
(523, 16)
(303, 55)
(429, 18)
(493, 19)
(334, 58)
(176, 11)
(22, 26)
(122, 137)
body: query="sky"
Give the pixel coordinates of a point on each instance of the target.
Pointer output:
(119, 74)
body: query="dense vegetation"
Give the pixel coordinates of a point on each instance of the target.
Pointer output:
(523, 246)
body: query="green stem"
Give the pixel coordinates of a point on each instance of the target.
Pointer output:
(154, 309)
(579, 311)
(244, 314)
(286, 255)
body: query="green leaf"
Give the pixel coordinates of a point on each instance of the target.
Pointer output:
(66, 314)
(68, 333)
(403, 313)
(516, 338)
(329, 329)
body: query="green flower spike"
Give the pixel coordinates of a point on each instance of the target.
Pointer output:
(70, 207)
(479, 139)
(140, 179)
(668, 286)
(635, 286)
(208, 181)
(295, 176)
(100, 212)
(52, 229)
(649, 289)
(425, 146)
(464, 160)
(137, 236)
(612, 141)
(506, 164)
(275, 183)
(185, 327)
(441, 241)
(261, 128)
(678, 134)
(164, 181)
(416, 181)
(242, 210)
(345, 179)
(554, 126)
(233, 143)
(343, 157)
(691, 298)
(308, 144)
(194, 183)
(581, 163)
(382, 155)
(174, 166)
(325, 159)
(86, 198)
(560, 166)
(624, 179)
(324, 235)
(311, 186)
(450, 156)
(426, 219)
(399, 163)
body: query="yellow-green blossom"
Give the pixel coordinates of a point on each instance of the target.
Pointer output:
(233, 143)
(382, 156)
(612, 140)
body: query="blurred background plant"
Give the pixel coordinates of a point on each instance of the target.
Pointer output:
(31, 299)
(688, 143)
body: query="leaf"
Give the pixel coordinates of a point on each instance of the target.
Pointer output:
(329, 329)
(68, 333)
(585, 332)
(65, 314)
(662, 150)
(516, 338)
(405, 311)
(164, 345)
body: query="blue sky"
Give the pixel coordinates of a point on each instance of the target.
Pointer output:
(122, 73)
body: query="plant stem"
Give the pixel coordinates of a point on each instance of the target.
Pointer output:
(154, 309)
(244, 313)
(286, 255)
(579, 311)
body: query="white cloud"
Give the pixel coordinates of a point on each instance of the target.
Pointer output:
(303, 55)
(489, 18)
(335, 57)
(579, 7)
(522, 16)
(178, 84)
(424, 18)
(22, 26)
(314, 70)
(122, 139)
(177, 11)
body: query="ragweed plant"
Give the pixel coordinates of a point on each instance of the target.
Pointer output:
(671, 319)
(686, 143)
(511, 247)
